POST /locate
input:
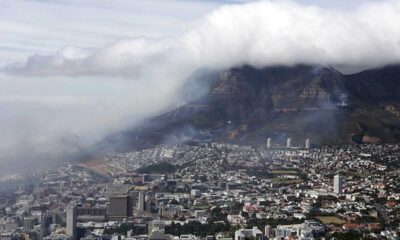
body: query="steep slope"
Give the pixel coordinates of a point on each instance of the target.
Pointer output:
(375, 98)
(247, 105)
(382, 85)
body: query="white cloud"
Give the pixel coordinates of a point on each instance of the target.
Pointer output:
(279, 32)
(121, 58)
(148, 71)
(45, 26)
(261, 33)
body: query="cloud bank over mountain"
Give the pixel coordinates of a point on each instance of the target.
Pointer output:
(260, 33)
(135, 78)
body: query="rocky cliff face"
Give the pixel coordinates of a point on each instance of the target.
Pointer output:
(260, 91)
(247, 105)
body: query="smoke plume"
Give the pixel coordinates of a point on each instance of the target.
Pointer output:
(150, 71)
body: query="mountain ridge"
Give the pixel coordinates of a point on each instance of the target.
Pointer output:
(246, 105)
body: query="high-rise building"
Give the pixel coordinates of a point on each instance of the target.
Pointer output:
(132, 201)
(142, 202)
(29, 224)
(45, 221)
(338, 184)
(269, 142)
(307, 143)
(268, 231)
(71, 221)
(161, 209)
(148, 200)
(289, 143)
(118, 207)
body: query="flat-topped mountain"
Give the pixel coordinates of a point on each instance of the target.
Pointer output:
(246, 105)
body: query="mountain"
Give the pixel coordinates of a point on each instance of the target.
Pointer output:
(247, 105)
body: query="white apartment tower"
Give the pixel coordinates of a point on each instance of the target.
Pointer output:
(71, 221)
(268, 231)
(307, 143)
(289, 143)
(338, 184)
(142, 201)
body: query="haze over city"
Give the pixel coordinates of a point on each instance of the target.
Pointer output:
(199, 119)
(74, 72)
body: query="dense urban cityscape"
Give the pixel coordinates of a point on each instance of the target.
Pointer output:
(213, 191)
(200, 120)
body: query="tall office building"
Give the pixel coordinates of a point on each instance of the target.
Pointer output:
(71, 221)
(307, 143)
(289, 143)
(29, 224)
(132, 201)
(119, 207)
(142, 202)
(269, 142)
(268, 231)
(148, 200)
(338, 184)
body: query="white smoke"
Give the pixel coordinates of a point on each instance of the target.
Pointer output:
(261, 34)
